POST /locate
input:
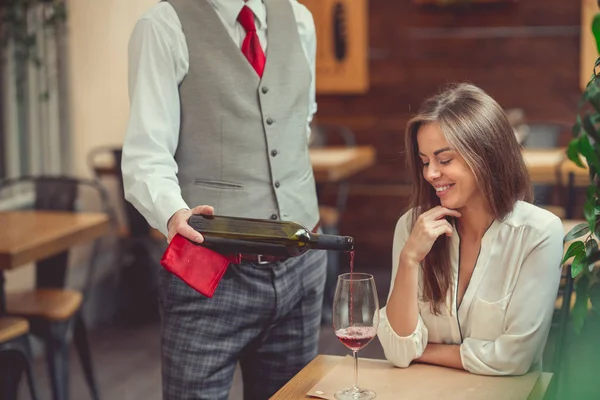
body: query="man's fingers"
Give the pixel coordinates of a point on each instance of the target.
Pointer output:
(209, 210)
(187, 231)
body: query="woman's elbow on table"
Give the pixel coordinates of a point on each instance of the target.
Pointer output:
(401, 350)
(397, 360)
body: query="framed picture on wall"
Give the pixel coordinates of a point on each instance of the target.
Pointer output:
(342, 45)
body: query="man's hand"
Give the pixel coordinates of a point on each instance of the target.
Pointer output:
(178, 223)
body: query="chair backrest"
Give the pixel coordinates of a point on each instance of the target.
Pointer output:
(61, 193)
(542, 135)
(329, 134)
(136, 223)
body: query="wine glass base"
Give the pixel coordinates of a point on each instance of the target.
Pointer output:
(355, 393)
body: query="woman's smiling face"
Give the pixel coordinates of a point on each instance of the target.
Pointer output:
(445, 169)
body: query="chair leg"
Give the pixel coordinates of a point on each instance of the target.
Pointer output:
(10, 374)
(28, 363)
(19, 351)
(83, 349)
(57, 358)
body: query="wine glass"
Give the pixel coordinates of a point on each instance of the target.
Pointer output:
(355, 321)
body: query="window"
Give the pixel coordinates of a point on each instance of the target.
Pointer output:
(34, 136)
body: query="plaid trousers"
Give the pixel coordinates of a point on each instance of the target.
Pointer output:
(266, 317)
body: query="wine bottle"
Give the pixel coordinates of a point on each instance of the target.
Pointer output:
(265, 237)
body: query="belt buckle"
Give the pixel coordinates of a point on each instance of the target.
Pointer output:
(260, 261)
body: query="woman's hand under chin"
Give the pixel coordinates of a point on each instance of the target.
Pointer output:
(429, 226)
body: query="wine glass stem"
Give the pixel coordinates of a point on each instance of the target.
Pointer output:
(355, 354)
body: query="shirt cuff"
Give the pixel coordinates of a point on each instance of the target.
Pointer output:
(402, 350)
(165, 207)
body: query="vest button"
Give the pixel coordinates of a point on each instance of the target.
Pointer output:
(273, 216)
(269, 121)
(277, 184)
(265, 89)
(273, 152)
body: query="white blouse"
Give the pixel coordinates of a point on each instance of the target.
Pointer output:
(503, 320)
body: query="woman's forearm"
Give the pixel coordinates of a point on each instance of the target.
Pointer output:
(402, 307)
(446, 355)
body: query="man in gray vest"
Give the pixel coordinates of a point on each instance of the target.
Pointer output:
(222, 93)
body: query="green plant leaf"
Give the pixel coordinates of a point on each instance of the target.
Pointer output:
(579, 263)
(575, 249)
(577, 231)
(573, 152)
(592, 93)
(586, 149)
(596, 30)
(589, 127)
(589, 212)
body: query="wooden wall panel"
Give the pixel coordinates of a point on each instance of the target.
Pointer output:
(525, 54)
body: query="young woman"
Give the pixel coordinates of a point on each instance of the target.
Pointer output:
(476, 267)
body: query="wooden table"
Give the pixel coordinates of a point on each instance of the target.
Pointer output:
(551, 166)
(333, 164)
(28, 236)
(300, 384)
(543, 165)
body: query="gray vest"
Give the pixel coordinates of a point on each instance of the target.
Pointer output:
(243, 146)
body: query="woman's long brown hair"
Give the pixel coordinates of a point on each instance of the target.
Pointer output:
(476, 127)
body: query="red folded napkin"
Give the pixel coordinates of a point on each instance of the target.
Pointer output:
(198, 266)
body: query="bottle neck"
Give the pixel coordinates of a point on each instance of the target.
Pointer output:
(332, 242)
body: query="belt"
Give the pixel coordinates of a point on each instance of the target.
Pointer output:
(267, 259)
(260, 259)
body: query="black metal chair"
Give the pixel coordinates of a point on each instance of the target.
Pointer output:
(139, 248)
(54, 311)
(15, 357)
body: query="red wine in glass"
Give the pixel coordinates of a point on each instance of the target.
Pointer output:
(355, 338)
(355, 322)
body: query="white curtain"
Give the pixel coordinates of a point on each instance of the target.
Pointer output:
(35, 105)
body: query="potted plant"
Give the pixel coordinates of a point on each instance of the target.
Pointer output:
(585, 145)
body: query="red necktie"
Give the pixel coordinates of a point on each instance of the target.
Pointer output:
(251, 46)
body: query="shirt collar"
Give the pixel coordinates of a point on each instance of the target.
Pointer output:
(230, 9)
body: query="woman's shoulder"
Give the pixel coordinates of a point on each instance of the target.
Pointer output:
(529, 215)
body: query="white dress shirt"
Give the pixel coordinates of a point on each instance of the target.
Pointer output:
(503, 320)
(158, 63)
